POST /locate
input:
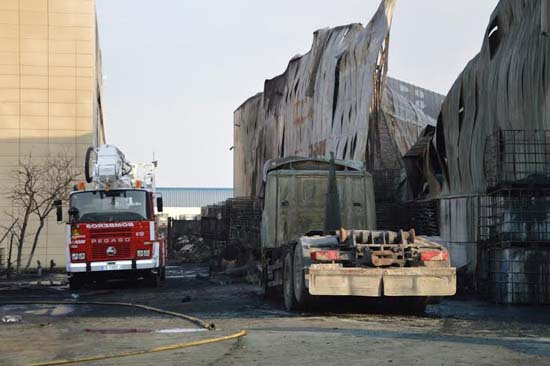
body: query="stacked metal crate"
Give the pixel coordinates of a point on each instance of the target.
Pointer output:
(514, 228)
(389, 214)
(214, 228)
(245, 217)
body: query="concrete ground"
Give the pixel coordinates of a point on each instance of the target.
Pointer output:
(455, 332)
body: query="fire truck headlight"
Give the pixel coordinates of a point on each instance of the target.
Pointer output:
(140, 253)
(82, 256)
(146, 253)
(74, 256)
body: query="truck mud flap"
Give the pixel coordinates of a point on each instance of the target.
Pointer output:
(420, 282)
(337, 281)
(334, 280)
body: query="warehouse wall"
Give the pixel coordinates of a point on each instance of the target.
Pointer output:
(50, 93)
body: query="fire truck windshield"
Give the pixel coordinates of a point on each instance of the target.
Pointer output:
(115, 205)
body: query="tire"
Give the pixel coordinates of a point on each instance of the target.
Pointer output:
(288, 283)
(301, 292)
(75, 284)
(89, 177)
(418, 305)
(153, 279)
(163, 273)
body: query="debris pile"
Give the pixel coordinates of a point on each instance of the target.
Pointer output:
(12, 319)
(227, 235)
(190, 249)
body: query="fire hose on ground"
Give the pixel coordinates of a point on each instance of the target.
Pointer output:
(170, 347)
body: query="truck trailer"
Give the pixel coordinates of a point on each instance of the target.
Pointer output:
(319, 239)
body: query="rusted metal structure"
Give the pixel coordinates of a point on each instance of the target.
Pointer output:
(335, 98)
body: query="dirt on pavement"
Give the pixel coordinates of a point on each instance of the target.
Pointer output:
(341, 332)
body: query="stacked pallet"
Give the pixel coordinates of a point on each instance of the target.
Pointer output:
(423, 217)
(389, 214)
(245, 216)
(231, 229)
(215, 222)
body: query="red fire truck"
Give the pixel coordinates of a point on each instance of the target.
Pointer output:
(112, 231)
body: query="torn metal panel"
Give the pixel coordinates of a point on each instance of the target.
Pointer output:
(423, 167)
(406, 111)
(427, 101)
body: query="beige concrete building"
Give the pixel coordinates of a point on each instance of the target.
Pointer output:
(50, 94)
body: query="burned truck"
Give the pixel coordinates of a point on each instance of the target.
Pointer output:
(319, 239)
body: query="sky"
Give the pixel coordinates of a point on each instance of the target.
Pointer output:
(175, 70)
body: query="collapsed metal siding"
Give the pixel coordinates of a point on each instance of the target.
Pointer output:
(504, 87)
(194, 197)
(321, 103)
(332, 99)
(426, 100)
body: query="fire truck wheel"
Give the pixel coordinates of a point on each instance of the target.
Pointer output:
(163, 273)
(301, 292)
(288, 283)
(153, 279)
(75, 284)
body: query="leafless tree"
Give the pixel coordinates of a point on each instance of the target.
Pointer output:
(58, 174)
(39, 185)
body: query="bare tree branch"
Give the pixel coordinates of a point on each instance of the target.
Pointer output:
(39, 185)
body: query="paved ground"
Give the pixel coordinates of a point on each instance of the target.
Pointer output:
(451, 333)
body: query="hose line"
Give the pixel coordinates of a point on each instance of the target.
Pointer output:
(170, 347)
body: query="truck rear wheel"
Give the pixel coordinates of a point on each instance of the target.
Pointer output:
(288, 282)
(418, 305)
(75, 283)
(301, 292)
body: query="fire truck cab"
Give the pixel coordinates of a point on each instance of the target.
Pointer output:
(112, 231)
